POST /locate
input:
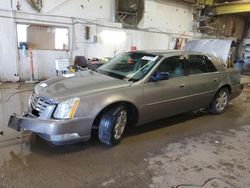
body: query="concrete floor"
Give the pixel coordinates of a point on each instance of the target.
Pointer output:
(184, 151)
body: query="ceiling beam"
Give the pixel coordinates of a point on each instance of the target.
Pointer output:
(191, 1)
(231, 8)
(184, 1)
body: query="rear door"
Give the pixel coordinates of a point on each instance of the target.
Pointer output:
(203, 80)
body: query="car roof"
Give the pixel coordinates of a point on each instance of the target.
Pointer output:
(168, 52)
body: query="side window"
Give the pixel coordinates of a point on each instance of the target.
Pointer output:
(173, 65)
(210, 65)
(197, 64)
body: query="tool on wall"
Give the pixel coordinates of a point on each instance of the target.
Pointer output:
(32, 77)
(18, 5)
(36, 4)
(180, 43)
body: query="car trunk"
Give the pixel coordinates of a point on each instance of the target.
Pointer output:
(214, 47)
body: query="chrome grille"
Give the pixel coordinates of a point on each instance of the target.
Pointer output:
(38, 104)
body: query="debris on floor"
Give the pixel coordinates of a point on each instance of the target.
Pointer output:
(192, 161)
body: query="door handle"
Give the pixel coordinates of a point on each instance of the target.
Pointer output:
(215, 79)
(183, 85)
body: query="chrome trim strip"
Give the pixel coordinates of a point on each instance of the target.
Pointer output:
(171, 100)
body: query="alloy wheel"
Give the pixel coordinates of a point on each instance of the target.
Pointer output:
(120, 124)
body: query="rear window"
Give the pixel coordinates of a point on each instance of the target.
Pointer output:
(199, 64)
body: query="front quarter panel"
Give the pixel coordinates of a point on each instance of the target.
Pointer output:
(99, 101)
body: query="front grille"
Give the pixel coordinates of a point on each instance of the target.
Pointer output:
(38, 104)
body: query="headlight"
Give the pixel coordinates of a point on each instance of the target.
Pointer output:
(66, 109)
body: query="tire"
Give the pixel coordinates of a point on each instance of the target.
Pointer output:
(112, 125)
(220, 101)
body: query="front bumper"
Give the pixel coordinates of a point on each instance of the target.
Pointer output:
(68, 130)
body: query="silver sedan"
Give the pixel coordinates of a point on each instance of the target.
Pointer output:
(134, 88)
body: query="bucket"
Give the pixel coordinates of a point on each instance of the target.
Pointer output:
(238, 65)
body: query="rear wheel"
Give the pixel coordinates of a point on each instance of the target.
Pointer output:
(220, 101)
(112, 125)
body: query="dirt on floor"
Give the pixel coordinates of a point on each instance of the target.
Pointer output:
(189, 150)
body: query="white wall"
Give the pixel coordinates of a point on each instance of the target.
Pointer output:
(7, 51)
(166, 16)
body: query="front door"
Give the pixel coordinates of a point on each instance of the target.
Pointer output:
(167, 97)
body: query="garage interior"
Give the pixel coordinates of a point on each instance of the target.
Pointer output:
(39, 39)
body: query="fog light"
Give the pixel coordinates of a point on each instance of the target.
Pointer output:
(64, 137)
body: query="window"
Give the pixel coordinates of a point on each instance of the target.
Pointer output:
(61, 38)
(173, 65)
(43, 37)
(197, 64)
(131, 65)
(210, 65)
(200, 64)
(22, 33)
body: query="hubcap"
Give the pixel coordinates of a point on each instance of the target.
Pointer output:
(221, 101)
(120, 124)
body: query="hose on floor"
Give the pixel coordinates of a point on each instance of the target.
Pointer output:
(3, 100)
(205, 183)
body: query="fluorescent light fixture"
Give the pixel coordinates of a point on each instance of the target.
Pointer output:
(113, 37)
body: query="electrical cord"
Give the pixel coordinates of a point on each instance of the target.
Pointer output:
(2, 101)
(13, 94)
(12, 142)
(205, 183)
(75, 20)
(16, 138)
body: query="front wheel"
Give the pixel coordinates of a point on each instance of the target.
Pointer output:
(112, 125)
(220, 101)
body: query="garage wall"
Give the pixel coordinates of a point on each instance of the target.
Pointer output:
(168, 15)
(160, 16)
(7, 51)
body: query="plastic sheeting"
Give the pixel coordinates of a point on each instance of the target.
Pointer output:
(214, 47)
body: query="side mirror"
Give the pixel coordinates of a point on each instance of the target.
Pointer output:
(159, 76)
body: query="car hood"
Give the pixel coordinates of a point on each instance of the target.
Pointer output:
(78, 84)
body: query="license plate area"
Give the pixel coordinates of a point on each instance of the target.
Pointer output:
(14, 123)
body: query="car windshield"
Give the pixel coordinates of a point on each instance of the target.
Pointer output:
(131, 66)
